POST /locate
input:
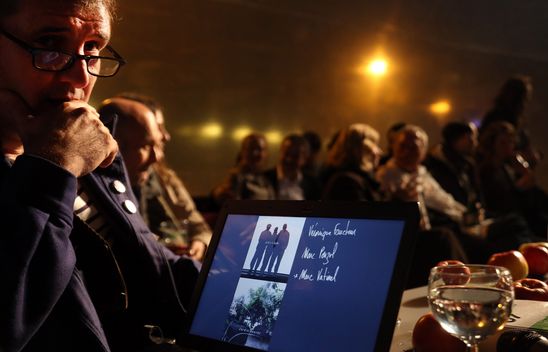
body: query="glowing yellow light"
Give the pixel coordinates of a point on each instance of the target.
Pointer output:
(212, 130)
(440, 108)
(240, 132)
(377, 67)
(273, 137)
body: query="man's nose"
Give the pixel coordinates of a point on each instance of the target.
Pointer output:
(166, 137)
(77, 74)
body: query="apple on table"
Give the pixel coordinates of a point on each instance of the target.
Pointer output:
(536, 255)
(531, 289)
(457, 272)
(512, 260)
(429, 336)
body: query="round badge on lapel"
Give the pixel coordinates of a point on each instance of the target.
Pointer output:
(118, 186)
(129, 206)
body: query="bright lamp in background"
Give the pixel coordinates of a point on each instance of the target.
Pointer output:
(377, 67)
(440, 108)
(211, 131)
(240, 133)
(273, 136)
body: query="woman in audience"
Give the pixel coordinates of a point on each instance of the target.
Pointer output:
(351, 165)
(509, 106)
(246, 180)
(507, 180)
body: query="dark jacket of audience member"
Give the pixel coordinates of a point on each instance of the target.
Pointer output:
(451, 163)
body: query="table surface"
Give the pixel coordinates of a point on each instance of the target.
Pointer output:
(414, 305)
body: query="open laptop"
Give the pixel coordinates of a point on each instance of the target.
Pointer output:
(290, 276)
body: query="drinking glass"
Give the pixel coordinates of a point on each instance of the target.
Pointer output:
(470, 302)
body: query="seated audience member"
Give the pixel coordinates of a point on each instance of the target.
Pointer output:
(312, 165)
(452, 164)
(80, 269)
(351, 164)
(324, 172)
(403, 178)
(507, 181)
(390, 135)
(287, 178)
(164, 202)
(509, 106)
(246, 180)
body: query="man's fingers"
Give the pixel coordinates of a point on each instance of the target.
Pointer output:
(111, 156)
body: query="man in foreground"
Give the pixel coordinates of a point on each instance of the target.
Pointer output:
(80, 270)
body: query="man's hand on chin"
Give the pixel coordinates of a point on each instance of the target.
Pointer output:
(69, 134)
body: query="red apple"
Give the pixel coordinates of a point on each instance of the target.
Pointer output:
(542, 244)
(449, 262)
(458, 273)
(514, 261)
(429, 336)
(537, 259)
(531, 289)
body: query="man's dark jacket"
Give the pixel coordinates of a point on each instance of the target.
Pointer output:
(64, 288)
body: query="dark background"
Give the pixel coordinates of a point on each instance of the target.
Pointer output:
(279, 66)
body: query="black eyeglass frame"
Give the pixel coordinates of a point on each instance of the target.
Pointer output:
(73, 57)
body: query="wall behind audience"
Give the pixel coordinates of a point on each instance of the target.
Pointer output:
(283, 66)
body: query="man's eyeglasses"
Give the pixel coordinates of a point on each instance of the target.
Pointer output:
(54, 60)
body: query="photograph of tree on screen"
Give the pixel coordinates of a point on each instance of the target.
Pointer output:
(253, 313)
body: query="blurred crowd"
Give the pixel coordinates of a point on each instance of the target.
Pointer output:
(476, 189)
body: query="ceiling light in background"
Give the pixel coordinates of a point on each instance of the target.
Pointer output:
(240, 132)
(377, 67)
(211, 130)
(440, 108)
(274, 136)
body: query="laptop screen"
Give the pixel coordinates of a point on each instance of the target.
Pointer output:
(300, 281)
